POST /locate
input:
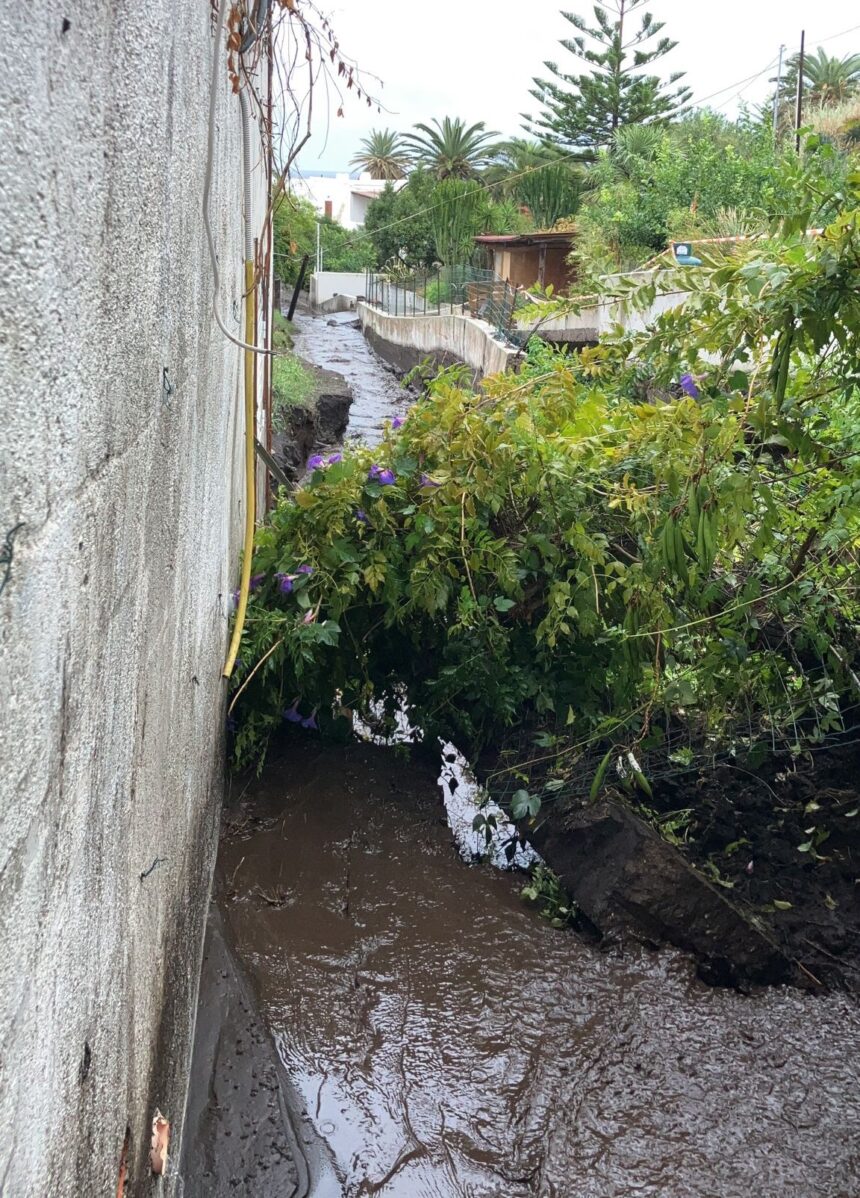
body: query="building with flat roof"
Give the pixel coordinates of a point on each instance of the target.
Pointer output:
(341, 196)
(531, 259)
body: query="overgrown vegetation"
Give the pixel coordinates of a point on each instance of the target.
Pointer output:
(652, 185)
(292, 383)
(654, 535)
(295, 221)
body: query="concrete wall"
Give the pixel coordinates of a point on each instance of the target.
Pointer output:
(329, 284)
(596, 318)
(113, 622)
(446, 337)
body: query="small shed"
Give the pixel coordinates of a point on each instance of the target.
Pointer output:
(529, 259)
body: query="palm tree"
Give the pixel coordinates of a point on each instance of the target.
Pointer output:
(827, 80)
(831, 79)
(513, 157)
(383, 155)
(451, 150)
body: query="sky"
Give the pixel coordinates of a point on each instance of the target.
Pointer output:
(476, 58)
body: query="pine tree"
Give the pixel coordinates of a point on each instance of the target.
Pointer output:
(583, 111)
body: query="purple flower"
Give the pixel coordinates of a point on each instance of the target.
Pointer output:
(285, 583)
(361, 515)
(386, 478)
(427, 481)
(398, 422)
(688, 385)
(310, 722)
(315, 461)
(234, 599)
(306, 569)
(374, 471)
(292, 714)
(256, 580)
(334, 458)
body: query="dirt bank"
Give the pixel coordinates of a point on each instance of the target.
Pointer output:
(754, 868)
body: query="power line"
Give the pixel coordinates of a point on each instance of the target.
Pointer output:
(741, 83)
(482, 187)
(737, 83)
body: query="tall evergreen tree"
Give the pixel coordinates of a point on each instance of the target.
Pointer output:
(583, 111)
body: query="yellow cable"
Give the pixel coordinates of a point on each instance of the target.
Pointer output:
(250, 490)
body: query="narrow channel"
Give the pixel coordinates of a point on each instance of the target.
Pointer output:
(379, 1017)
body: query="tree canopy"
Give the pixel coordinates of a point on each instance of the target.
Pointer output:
(583, 110)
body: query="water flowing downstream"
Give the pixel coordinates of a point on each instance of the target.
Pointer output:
(336, 343)
(408, 1028)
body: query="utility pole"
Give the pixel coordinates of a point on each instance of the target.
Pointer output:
(798, 115)
(776, 95)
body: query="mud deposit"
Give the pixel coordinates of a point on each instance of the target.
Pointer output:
(336, 343)
(443, 1041)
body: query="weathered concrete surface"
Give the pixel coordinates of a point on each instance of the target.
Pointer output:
(448, 337)
(336, 290)
(239, 1134)
(598, 316)
(628, 881)
(120, 450)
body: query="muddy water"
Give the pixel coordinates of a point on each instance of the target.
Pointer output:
(335, 343)
(443, 1041)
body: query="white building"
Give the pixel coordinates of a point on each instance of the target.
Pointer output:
(343, 197)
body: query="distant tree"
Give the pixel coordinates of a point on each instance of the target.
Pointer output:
(551, 192)
(512, 158)
(295, 222)
(398, 223)
(456, 217)
(827, 81)
(584, 110)
(451, 150)
(383, 155)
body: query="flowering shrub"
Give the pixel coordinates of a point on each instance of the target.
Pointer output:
(663, 528)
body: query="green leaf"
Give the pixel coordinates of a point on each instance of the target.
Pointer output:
(600, 775)
(520, 804)
(502, 604)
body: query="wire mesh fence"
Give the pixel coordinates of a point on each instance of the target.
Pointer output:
(444, 289)
(553, 764)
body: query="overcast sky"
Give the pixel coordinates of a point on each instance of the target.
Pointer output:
(476, 58)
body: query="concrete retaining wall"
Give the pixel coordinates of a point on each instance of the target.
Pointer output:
(448, 337)
(120, 454)
(328, 285)
(594, 319)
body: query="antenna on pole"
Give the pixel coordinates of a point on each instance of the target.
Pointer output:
(798, 115)
(776, 95)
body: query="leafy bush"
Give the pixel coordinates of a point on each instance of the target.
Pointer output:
(295, 222)
(653, 185)
(661, 530)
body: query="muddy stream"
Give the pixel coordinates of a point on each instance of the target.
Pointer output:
(379, 1017)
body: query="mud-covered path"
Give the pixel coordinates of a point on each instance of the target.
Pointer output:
(441, 1040)
(336, 343)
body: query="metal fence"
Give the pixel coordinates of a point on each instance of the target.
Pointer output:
(481, 293)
